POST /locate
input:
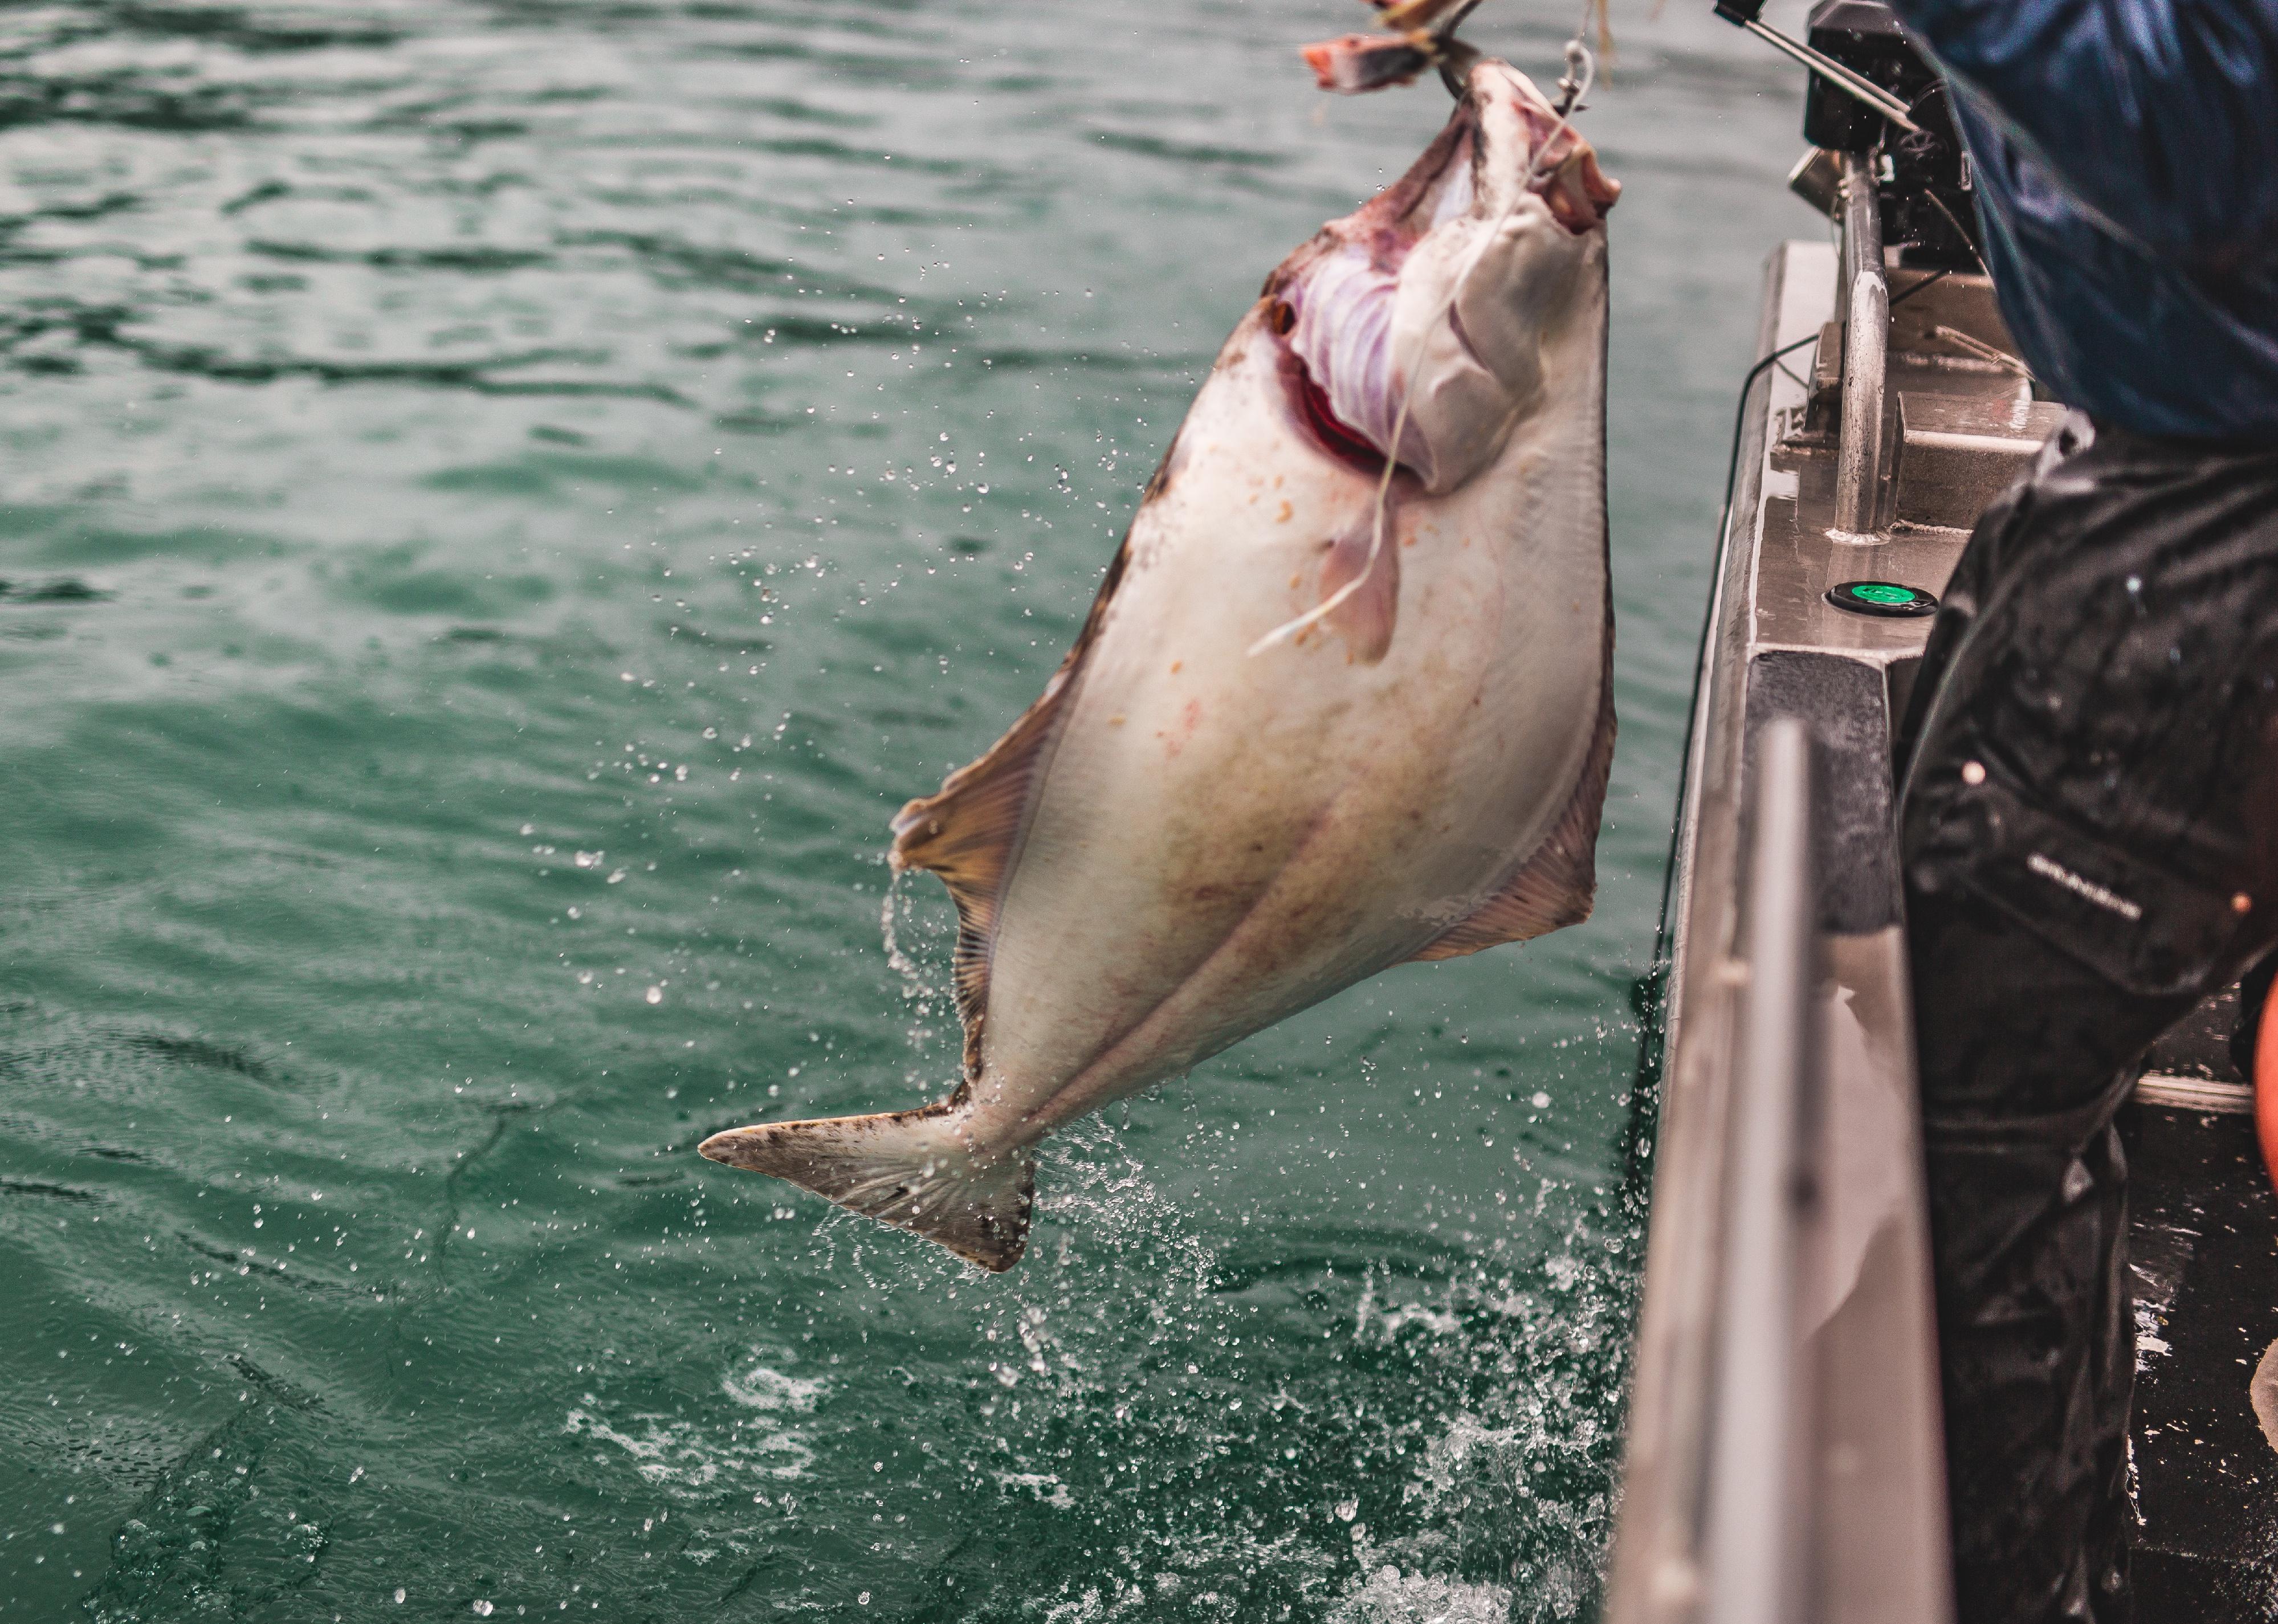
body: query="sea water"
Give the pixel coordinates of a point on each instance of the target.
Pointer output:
(501, 503)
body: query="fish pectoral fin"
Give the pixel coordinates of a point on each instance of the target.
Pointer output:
(1366, 615)
(910, 1169)
(1556, 885)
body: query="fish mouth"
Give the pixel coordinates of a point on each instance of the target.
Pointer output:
(1561, 167)
(1329, 307)
(1518, 141)
(1505, 137)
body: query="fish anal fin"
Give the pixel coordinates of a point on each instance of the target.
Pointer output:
(1365, 619)
(1556, 885)
(910, 1169)
(968, 832)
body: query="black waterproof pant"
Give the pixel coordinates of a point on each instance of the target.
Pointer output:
(2090, 843)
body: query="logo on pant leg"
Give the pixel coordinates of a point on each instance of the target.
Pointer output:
(2112, 902)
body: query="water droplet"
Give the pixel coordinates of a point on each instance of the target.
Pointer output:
(655, 995)
(1540, 1102)
(1347, 1510)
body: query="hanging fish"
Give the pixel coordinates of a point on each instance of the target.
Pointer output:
(1324, 717)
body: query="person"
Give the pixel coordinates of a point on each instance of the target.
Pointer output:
(2089, 811)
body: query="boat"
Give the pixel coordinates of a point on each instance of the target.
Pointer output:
(1783, 1456)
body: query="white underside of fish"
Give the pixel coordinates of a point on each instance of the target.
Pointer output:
(1220, 839)
(1191, 835)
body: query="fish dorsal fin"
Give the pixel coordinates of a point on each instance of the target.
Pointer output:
(969, 831)
(1555, 886)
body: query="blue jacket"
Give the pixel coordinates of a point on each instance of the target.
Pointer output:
(2126, 160)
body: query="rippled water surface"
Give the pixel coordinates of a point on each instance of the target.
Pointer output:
(502, 502)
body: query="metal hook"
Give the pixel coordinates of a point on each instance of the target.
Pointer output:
(1577, 78)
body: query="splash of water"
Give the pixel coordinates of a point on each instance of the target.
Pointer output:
(894, 907)
(695, 1461)
(1390, 1596)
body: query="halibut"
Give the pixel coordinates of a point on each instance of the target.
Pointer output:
(1317, 723)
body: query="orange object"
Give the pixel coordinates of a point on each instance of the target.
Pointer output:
(2265, 1084)
(1362, 62)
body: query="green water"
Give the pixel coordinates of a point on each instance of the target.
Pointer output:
(502, 502)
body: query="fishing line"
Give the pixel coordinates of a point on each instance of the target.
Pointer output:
(1581, 72)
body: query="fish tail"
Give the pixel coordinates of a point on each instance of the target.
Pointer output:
(914, 1169)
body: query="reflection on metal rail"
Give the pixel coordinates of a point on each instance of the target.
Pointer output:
(1866, 349)
(1757, 1552)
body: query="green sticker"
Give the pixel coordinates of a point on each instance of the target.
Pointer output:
(1886, 598)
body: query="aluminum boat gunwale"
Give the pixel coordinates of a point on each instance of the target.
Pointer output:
(1784, 1453)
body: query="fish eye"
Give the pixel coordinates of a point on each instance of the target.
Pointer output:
(1281, 317)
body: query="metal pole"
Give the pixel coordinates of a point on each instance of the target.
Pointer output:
(1756, 1539)
(1853, 85)
(1866, 352)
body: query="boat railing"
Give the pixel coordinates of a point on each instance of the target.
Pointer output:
(1784, 1451)
(1718, 1523)
(1755, 1553)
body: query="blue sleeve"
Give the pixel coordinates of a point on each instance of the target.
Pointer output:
(2159, 114)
